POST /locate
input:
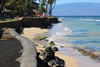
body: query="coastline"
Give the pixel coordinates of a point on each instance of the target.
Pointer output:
(31, 34)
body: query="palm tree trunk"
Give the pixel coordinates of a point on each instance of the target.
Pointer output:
(2, 6)
(50, 11)
(46, 8)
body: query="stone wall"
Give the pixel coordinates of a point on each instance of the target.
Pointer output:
(29, 52)
(30, 22)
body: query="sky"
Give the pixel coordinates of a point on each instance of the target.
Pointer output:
(74, 1)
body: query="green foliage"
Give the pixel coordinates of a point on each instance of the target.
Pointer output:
(43, 5)
(52, 17)
(47, 6)
(19, 6)
(52, 44)
(41, 37)
(9, 20)
(51, 1)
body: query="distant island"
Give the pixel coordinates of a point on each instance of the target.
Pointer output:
(77, 9)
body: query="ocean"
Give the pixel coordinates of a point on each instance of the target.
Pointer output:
(83, 32)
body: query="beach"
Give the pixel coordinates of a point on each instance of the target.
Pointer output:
(34, 34)
(31, 33)
(71, 56)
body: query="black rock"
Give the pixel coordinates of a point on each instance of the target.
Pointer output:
(55, 49)
(48, 54)
(41, 63)
(57, 62)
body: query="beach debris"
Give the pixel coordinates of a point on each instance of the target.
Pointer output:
(57, 62)
(42, 37)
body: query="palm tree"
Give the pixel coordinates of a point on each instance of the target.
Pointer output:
(42, 4)
(2, 6)
(51, 3)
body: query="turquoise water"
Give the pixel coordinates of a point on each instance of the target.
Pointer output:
(85, 32)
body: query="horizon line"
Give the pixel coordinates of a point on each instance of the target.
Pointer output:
(76, 2)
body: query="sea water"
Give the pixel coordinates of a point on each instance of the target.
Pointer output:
(78, 32)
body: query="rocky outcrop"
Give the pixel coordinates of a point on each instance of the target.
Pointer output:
(91, 53)
(49, 56)
(53, 20)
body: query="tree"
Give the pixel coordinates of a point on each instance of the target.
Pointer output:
(2, 6)
(42, 4)
(20, 7)
(51, 3)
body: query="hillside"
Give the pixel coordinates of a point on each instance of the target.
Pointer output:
(77, 9)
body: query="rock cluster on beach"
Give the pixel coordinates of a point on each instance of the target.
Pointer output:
(49, 57)
(91, 53)
(48, 54)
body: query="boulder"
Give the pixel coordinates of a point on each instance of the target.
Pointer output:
(57, 62)
(41, 63)
(48, 54)
(55, 49)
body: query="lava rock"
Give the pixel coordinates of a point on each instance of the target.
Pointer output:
(41, 63)
(55, 49)
(48, 54)
(57, 62)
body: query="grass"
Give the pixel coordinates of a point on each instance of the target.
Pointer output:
(8, 20)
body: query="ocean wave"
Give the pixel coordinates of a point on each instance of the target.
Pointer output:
(77, 36)
(66, 31)
(59, 36)
(90, 19)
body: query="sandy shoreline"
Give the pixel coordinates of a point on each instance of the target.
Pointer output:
(31, 34)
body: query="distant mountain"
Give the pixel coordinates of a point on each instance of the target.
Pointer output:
(77, 9)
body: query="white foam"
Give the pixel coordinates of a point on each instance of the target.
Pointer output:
(59, 37)
(60, 24)
(90, 19)
(67, 29)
